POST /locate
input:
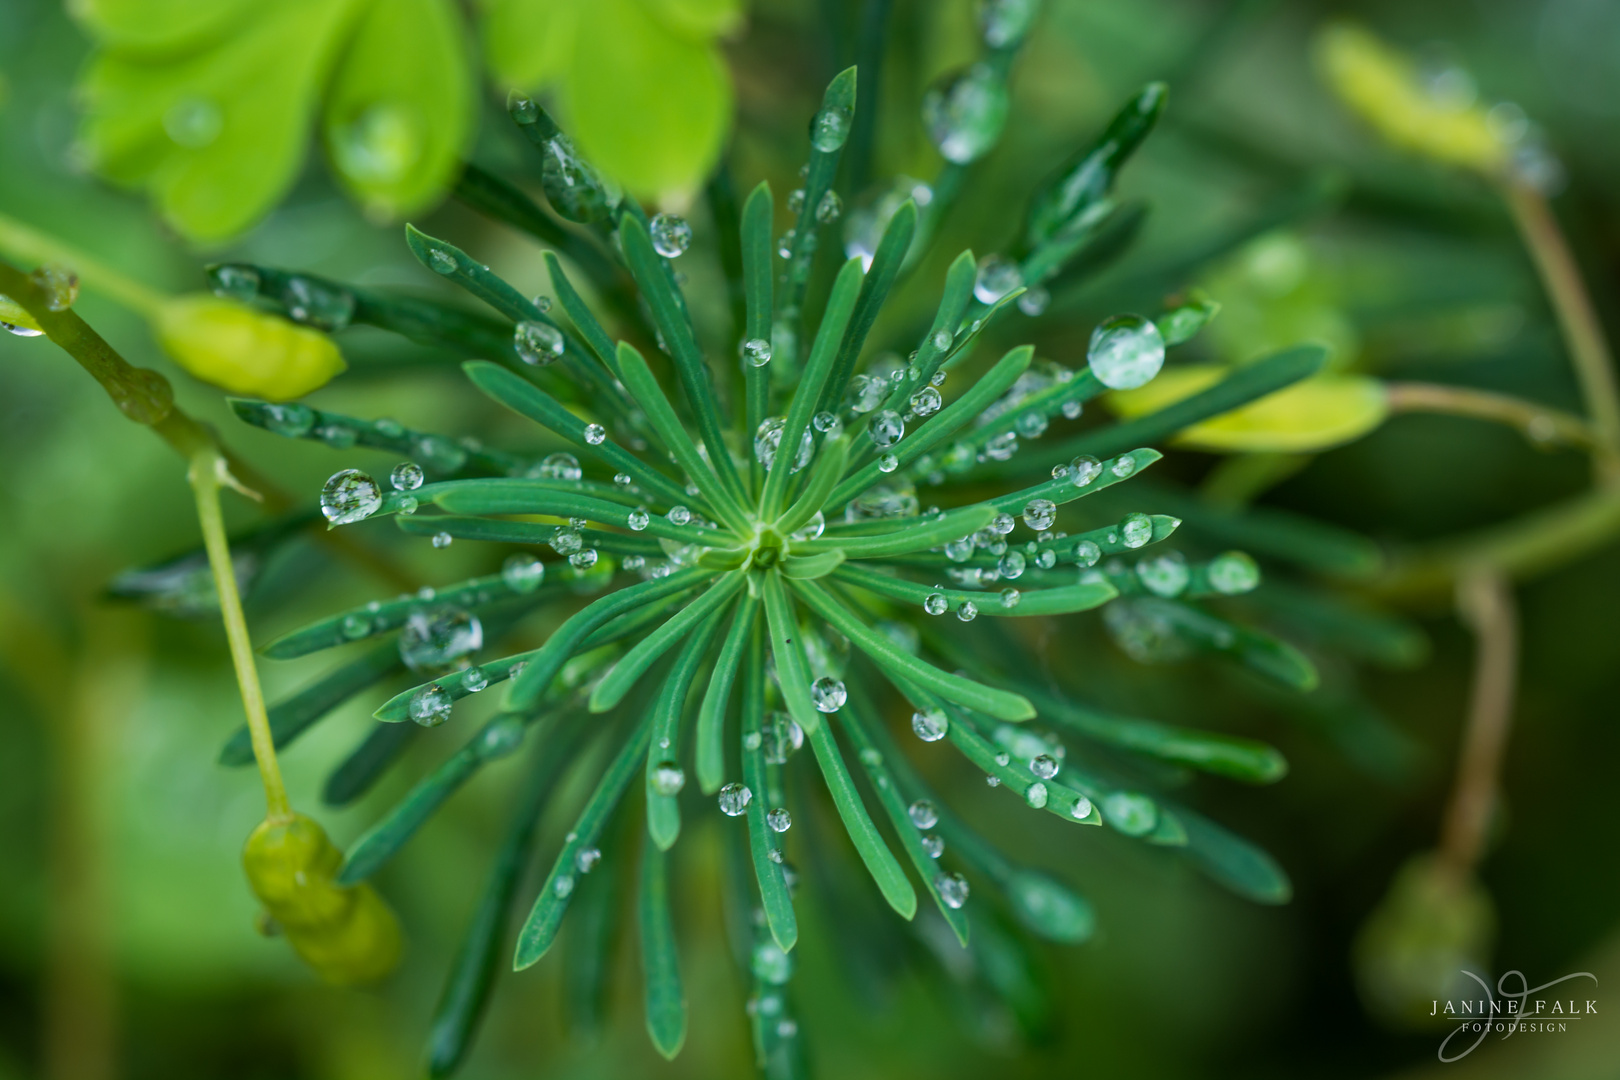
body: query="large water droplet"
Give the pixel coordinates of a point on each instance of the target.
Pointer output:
(779, 819)
(349, 496)
(1136, 530)
(430, 706)
(1005, 22)
(952, 888)
(667, 778)
(926, 402)
(769, 438)
(559, 466)
(436, 639)
(1164, 575)
(575, 189)
(830, 128)
(1040, 514)
(537, 343)
(964, 113)
(923, 814)
(1233, 572)
(930, 726)
(996, 278)
(887, 428)
(522, 572)
(1126, 351)
(781, 737)
(595, 434)
(756, 352)
(734, 799)
(406, 476)
(828, 695)
(671, 234)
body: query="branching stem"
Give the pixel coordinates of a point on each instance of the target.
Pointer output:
(32, 247)
(1588, 351)
(1538, 423)
(1485, 602)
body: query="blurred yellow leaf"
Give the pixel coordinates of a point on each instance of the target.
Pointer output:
(245, 350)
(530, 43)
(1313, 414)
(699, 20)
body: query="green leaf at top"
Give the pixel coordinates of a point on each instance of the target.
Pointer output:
(157, 27)
(530, 43)
(396, 122)
(650, 108)
(214, 121)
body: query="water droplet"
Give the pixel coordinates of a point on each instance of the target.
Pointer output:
(781, 736)
(473, 680)
(59, 284)
(968, 611)
(830, 128)
(1126, 351)
(1086, 553)
(933, 845)
(442, 539)
(935, 603)
(1010, 598)
(638, 519)
(1084, 469)
(350, 496)
(888, 463)
(734, 799)
(1164, 575)
(828, 695)
(563, 886)
(559, 466)
(430, 706)
(1033, 303)
(1136, 530)
(667, 778)
(1011, 566)
(942, 343)
(585, 859)
(435, 639)
(964, 113)
(355, 627)
(926, 402)
(1123, 466)
(1035, 795)
(756, 351)
(671, 234)
(930, 726)
(952, 888)
(795, 200)
(537, 343)
(584, 559)
(768, 438)
(886, 428)
(923, 814)
(996, 277)
(678, 515)
(960, 550)
(290, 421)
(1233, 572)
(1005, 22)
(1004, 759)
(566, 542)
(441, 261)
(779, 819)
(828, 424)
(866, 392)
(316, 304)
(1002, 447)
(1044, 766)
(830, 206)
(1040, 513)
(407, 476)
(771, 965)
(193, 122)
(595, 434)
(575, 190)
(1031, 425)
(1081, 808)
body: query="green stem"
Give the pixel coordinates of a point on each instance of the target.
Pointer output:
(29, 245)
(208, 471)
(1588, 351)
(1538, 423)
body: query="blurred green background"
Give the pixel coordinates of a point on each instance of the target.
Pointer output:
(124, 918)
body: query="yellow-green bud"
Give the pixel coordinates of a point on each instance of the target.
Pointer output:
(245, 350)
(1384, 89)
(345, 932)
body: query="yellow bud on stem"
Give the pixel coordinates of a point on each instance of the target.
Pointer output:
(245, 350)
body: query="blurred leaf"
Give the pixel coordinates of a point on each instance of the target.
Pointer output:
(216, 124)
(698, 20)
(397, 117)
(1316, 413)
(530, 43)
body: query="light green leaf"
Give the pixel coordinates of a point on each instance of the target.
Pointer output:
(649, 108)
(697, 20)
(396, 123)
(530, 43)
(157, 27)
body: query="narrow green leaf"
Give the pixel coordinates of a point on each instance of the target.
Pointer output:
(1062, 489)
(506, 531)
(810, 567)
(663, 811)
(1233, 861)
(875, 287)
(894, 805)
(472, 972)
(829, 130)
(580, 315)
(1257, 651)
(539, 406)
(757, 216)
(560, 498)
(1343, 623)
(711, 724)
(824, 474)
(953, 304)
(666, 1001)
(649, 395)
(1049, 908)
(834, 322)
(773, 890)
(611, 690)
(911, 534)
(889, 656)
(669, 314)
(498, 738)
(540, 929)
(292, 717)
(493, 197)
(1060, 601)
(367, 762)
(566, 639)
